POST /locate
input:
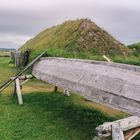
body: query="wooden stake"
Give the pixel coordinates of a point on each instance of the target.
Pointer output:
(18, 91)
(66, 92)
(14, 88)
(106, 58)
(117, 133)
(55, 89)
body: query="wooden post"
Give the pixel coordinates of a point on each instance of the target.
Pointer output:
(117, 133)
(18, 91)
(55, 89)
(66, 92)
(15, 59)
(18, 86)
(14, 88)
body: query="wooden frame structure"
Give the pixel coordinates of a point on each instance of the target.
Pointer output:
(7, 83)
(124, 129)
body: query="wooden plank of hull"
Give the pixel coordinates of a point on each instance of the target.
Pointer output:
(115, 85)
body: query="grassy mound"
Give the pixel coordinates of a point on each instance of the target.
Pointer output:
(80, 38)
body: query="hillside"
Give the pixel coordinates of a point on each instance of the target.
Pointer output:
(76, 38)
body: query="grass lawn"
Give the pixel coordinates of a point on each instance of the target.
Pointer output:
(46, 115)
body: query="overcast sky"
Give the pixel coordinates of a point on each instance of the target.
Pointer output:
(20, 20)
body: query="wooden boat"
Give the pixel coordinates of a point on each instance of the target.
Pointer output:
(112, 84)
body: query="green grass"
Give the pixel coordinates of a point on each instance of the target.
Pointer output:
(131, 59)
(58, 52)
(6, 69)
(46, 115)
(66, 53)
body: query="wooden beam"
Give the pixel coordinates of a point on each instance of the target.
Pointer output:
(131, 133)
(117, 133)
(24, 82)
(107, 59)
(23, 77)
(14, 94)
(66, 92)
(55, 89)
(126, 124)
(18, 92)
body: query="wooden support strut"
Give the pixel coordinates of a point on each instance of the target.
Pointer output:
(117, 133)
(131, 133)
(55, 89)
(23, 77)
(18, 91)
(18, 85)
(107, 58)
(24, 81)
(122, 129)
(66, 92)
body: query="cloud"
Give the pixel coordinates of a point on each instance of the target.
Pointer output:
(20, 20)
(15, 39)
(12, 41)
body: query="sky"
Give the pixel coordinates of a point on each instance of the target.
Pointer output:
(21, 20)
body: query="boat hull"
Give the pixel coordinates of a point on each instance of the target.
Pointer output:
(112, 84)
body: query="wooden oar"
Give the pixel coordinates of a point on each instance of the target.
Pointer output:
(6, 84)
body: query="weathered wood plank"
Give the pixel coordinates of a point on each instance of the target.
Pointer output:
(126, 124)
(66, 92)
(114, 85)
(108, 59)
(117, 133)
(23, 77)
(131, 133)
(55, 89)
(25, 81)
(18, 91)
